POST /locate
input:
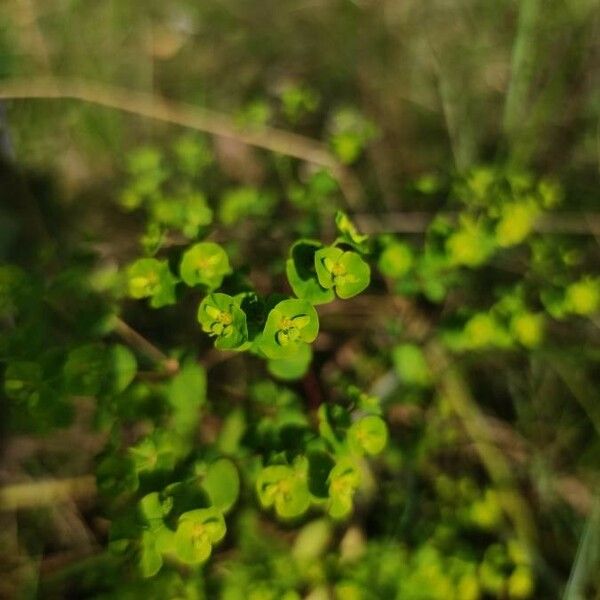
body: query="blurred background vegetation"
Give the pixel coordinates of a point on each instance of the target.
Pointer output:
(407, 96)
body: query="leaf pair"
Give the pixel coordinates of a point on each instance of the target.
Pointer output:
(151, 278)
(205, 263)
(222, 318)
(192, 542)
(197, 531)
(285, 488)
(318, 273)
(290, 325)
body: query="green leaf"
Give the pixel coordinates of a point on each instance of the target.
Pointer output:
(187, 394)
(222, 484)
(528, 328)
(301, 273)
(312, 541)
(85, 370)
(396, 260)
(148, 173)
(23, 382)
(205, 263)
(483, 330)
(516, 222)
(153, 509)
(193, 154)
(285, 488)
(121, 368)
(344, 479)
(298, 100)
(349, 232)
(583, 296)
(470, 245)
(368, 435)
(197, 214)
(187, 211)
(244, 202)
(116, 475)
(16, 291)
(284, 333)
(410, 364)
(153, 238)
(346, 272)
(221, 317)
(232, 431)
(292, 368)
(150, 561)
(154, 453)
(151, 278)
(197, 531)
(350, 133)
(94, 369)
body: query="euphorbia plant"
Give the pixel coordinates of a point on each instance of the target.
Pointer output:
(269, 448)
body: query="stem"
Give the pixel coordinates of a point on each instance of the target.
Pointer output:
(187, 115)
(140, 343)
(44, 493)
(522, 70)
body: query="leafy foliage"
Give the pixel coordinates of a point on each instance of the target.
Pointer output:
(205, 264)
(271, 453)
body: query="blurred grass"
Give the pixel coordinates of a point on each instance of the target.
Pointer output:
(449, 84)
(442, 79)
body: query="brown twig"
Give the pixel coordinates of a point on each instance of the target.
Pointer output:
(45, 493)
(138, 341)
(186, 115)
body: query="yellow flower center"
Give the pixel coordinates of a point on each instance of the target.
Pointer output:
(225, 318)
(338, 269)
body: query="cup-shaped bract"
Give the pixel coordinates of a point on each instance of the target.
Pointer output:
(396, 260)
(205, 263)
(349, 232)
(197, 531)
(221, 482)
(344, 271)
(302, 275)
(151, 278)
(290, 324)
(368, 435)
(293, 367)
(285, 488)
(343, 480)
(221, 317)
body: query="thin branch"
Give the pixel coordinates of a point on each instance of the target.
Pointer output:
(186, 115)
(139, 342)
(45, 493)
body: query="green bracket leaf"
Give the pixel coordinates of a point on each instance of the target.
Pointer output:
(151, 278)
(221, 317)
(197, 531)
(344, 271)
(222, 484)
(205, 263)
(301, 273)
(290, 324)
